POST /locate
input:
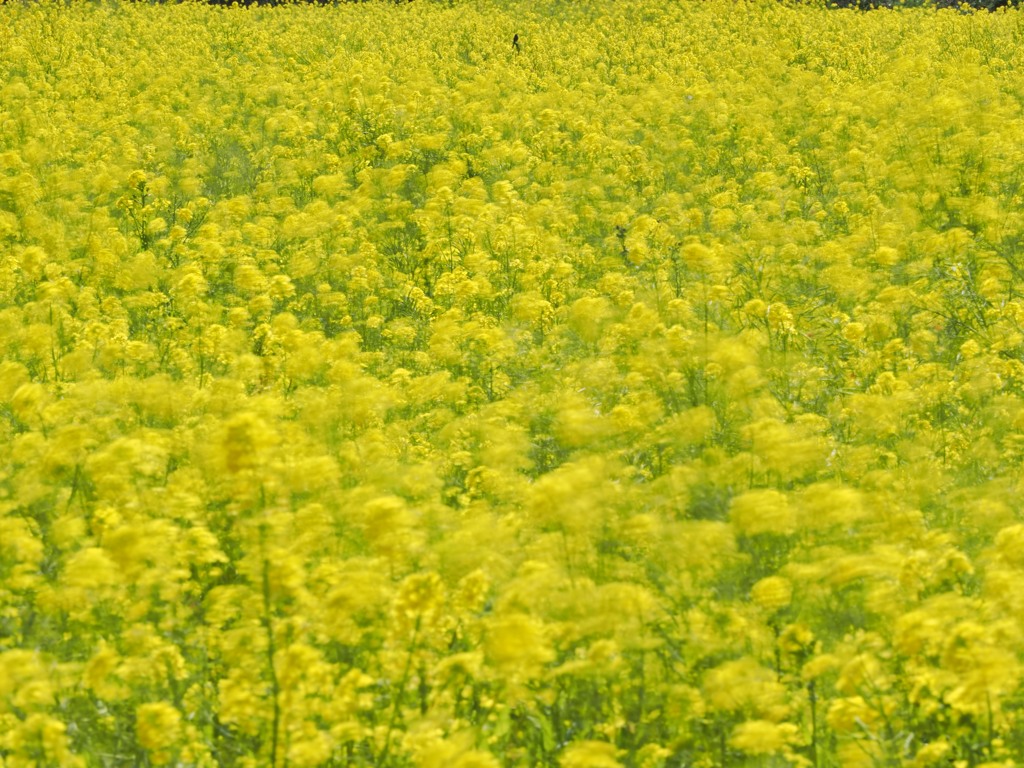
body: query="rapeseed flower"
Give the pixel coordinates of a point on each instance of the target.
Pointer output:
(379, 395)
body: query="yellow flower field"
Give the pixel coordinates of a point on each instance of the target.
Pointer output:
(374, 393)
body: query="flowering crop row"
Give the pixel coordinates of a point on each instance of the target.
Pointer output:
(376, 393)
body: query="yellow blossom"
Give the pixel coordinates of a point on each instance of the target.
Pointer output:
(590, 754)
(762, 511)
(516, 645)
(158, 727)
(762, 737)
(772, 593)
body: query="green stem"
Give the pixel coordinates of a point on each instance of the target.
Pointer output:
(812, 696)
(400, 694)
(275, 686)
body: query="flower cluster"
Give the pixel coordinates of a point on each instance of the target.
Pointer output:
(377, 392)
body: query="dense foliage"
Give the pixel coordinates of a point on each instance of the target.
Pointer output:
(374, 393)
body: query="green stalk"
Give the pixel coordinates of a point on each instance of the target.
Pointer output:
(400, 694)
(275, 686)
